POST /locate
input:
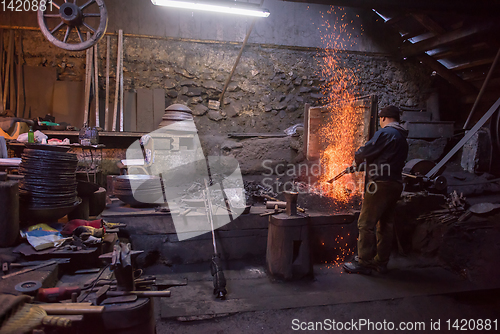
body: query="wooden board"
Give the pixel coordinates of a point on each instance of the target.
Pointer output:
(145, 113)
(40, 82)
(130, 111)
(68, 102)
(158, 106)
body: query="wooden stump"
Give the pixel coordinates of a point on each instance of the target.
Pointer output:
(288, 253)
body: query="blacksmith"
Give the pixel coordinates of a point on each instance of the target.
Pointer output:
(385, 156)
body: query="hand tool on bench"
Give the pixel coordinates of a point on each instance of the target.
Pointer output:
(276, 211)
(165, 293)
(52, 295)
(147, 280)
(166, 283)
(71, 308)
(36, 263)
(277, 200)
(28, 317)
(48, 263)
(119, 300)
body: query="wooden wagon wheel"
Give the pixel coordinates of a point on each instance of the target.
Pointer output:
(73, 17)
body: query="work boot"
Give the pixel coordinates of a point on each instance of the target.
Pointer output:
(381, 268)
(356, 268)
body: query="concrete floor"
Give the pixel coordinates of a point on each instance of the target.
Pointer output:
(426, 309)
(257, 305)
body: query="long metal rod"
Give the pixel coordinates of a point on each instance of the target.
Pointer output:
(96, 85)
(210, 217)
(221, 100)
(88, 73)
(106, 109)
(466, 138)
(120, 37)
(483, 88)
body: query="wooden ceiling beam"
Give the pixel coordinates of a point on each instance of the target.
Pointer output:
(472, 64)
(429, 23)
(446, 38)
(412, 34)
(450, 76)
(487, 98)
(396, 19)
(475, 75)
(457, 6)
(462, 51)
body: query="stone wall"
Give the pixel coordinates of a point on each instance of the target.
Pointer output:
(267, 92)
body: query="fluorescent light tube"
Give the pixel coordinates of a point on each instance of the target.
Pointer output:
(230, 7)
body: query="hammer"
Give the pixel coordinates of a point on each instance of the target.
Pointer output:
(276, 211)
(277, 200)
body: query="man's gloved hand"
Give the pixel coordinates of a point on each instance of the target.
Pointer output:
(353, 167)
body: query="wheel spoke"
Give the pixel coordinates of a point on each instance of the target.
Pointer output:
(91, 14)
(55, 5)
(57, 28)
(51, 15)
(87, 4)
(79, 33)
(89, 27)
(67, 34)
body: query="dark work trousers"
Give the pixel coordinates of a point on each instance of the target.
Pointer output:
(377, 210)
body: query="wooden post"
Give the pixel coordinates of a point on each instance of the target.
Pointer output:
(1, 61)
(96, 85)
(12, 80)
(7, 69)
(106, 109)
(1, 71)
(20, 77)
(221, 99)
(117, 86)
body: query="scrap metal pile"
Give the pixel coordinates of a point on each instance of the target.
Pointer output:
(255, 192)
(457, 213)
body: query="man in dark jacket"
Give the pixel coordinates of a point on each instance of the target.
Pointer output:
(385, 156)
